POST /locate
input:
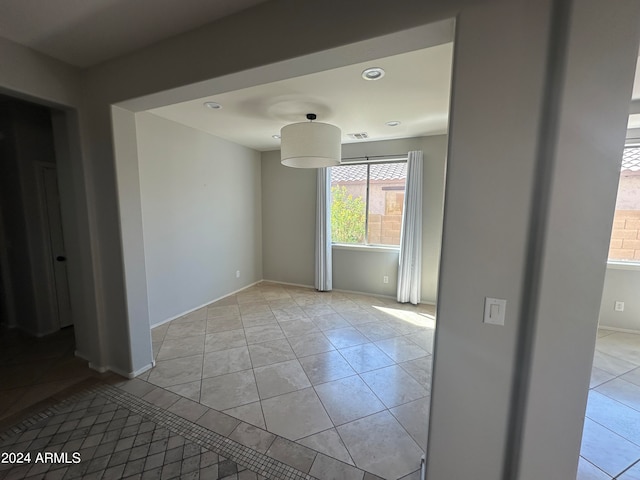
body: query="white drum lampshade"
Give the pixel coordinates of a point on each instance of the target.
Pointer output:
(310, 144)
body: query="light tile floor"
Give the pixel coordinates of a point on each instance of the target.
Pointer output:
(312, 385)
(611, 436)
(321, 369)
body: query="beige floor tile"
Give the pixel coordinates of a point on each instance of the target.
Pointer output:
(393, 385)
(396, 453)
(263, 333)
(189, 390)
(255, 319)
(223, 311)
(358, 316)
(329, 443)
(424, 339)
(188, 409)
(310, 344)
(611, 364)
(420, 370)
(588, 471)
(296, 415)
(224, 340)
(327, 468)
(176, 371)
(345, 337)
(598, 377)
(180, 347)
(280, 378)
(633, 376)
(228, 391)
(283, 305)
(250, 413)
(318, 310)
(615, 416)
(632, 474)
(622, 391)
(341, 305)
(253, 437)
(607, 450)
(291, 312)
(255, 308)
(330, 321)
(158, 333)
(621, 345)
(364, 358)
(325, 367)
(348, 399)
(222, 362)
(230, 300)
(296, 328)
(267, 353)
(161, 398)
(414, 417)
(294, 454)
(376, 331)
(218, 422)
(223, 324)
(401, 349)
(186, 329)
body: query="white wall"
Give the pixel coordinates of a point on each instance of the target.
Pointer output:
(201, 214)
(500, 142)
(32, 76)
(621, 283)
(289, 223)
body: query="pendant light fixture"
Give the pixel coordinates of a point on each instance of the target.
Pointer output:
(310, 144)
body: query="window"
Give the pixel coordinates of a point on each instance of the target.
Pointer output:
(366, 203)
(625, 235)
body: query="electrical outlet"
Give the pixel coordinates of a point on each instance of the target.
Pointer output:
(237, 273)
(385, 279)
(619, 307)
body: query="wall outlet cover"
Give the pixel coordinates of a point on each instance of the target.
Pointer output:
(494, 311)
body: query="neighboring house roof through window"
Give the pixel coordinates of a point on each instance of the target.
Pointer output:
(383, 171)
(631, 159)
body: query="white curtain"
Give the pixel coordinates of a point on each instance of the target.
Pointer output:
(410, 265)
(323, 281)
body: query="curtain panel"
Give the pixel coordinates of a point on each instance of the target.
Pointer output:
(410, 261)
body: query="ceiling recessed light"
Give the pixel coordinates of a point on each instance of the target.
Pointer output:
(212, 105)
(393, 123)
(277, 137)
(374, 73)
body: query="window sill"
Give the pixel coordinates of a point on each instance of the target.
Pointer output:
(623, 265)
(365, 248)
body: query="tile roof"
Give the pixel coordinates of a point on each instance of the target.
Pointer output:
(379, 171)
(631, 159)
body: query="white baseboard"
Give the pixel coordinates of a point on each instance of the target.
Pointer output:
(621, 330)
(288, 283)
(162, 322)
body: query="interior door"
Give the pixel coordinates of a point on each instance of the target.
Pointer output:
(56, 240)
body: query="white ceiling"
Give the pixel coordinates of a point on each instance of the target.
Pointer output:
(87, 32)
(415, 91)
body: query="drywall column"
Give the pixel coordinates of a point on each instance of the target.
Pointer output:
(508, 401)
(583, 157)
(135, 275)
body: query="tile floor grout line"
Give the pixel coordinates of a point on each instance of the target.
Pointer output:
(637, 462)
(225, 446)
(240, 454)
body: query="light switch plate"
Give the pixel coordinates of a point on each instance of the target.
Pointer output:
(494, 310)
